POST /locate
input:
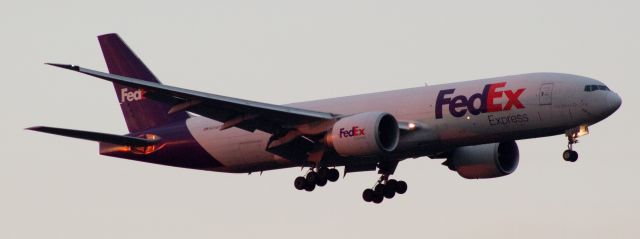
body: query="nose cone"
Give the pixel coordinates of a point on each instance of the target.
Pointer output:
(613, 102)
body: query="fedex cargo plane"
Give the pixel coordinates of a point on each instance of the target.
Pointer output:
(473, 125)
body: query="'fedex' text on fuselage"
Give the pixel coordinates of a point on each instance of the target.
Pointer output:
(459, 105)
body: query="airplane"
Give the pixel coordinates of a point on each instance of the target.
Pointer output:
(473, 125)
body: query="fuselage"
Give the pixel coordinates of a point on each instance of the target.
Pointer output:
(446, 116)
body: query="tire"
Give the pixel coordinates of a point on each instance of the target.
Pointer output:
(368, 195)
(566, 155)
(300, 183)
(570, 155)
(312, 177)
(309, 186)
(321, 181)
(377, 198)
(333, 175)
(574, 156)
(401, 187)
(392, 183)
(389, 192)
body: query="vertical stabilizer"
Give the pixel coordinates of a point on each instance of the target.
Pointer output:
(139, 113)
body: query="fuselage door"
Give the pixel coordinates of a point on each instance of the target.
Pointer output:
(546, 91)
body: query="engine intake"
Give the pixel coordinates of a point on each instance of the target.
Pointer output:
(485, 160)
(364, 134)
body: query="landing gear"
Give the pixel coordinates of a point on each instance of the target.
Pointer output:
(329, 174)
(385, 187)
(309, 187)
(570, 155)
(300, 183)
(368, 195)
(315, 178)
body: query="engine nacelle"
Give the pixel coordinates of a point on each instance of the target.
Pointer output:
(485, 160)
(364, 134)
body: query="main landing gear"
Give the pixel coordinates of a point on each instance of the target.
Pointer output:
(385, 187)
(316, 178)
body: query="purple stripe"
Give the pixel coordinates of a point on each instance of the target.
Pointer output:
(139, 113)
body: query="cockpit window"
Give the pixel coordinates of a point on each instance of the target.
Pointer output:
(589, 88)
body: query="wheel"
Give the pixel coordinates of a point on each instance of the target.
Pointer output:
(401, 187)
(333, 175)
(392, 183)
(300, 183)
(570, 155)
(566, 155)
(574, 156)
(367, 195)
(309, 186)
(312, 177)
(321, 181)
(377, 197)
(389, 192)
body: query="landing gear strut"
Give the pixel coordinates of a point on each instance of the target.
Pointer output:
(385, 187)
(315, 178)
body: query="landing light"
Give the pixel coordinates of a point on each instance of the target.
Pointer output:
(584, 130)
(468, 117)
(578, 131)
(412, 125)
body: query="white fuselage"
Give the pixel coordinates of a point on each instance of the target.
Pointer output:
(447, 116)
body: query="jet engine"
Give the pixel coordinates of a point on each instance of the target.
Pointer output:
(364, 134)
(485, 160)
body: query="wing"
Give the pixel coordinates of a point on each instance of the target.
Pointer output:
(233, 112)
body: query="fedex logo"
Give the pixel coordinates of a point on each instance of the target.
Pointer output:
(129, 96)
(354, 131)
(459, 105)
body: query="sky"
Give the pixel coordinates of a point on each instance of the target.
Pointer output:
(286, 51)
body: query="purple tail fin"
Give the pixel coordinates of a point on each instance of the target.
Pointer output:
(139, 113)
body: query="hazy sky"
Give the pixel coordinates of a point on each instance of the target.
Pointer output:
(284, 51)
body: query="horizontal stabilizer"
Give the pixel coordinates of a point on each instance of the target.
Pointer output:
(95, 136)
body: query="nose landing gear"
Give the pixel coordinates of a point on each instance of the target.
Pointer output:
(572, 135)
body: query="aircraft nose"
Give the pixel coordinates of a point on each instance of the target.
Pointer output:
(613, 101)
